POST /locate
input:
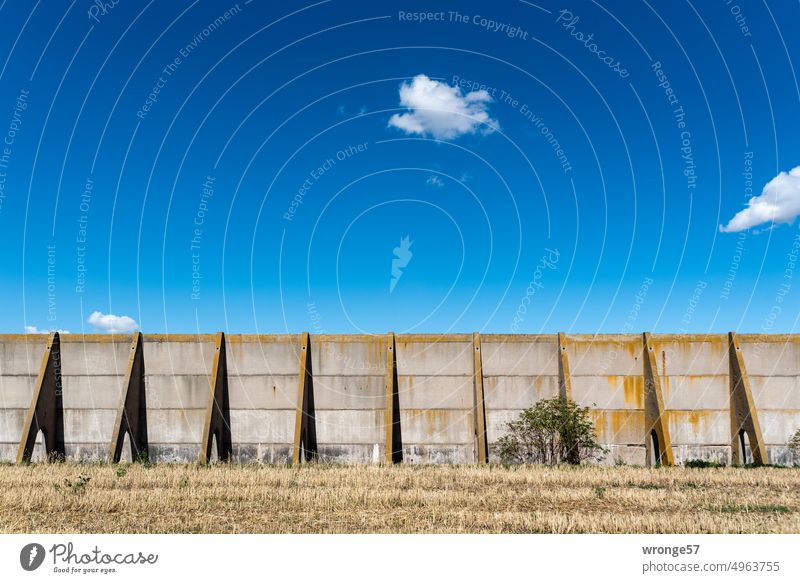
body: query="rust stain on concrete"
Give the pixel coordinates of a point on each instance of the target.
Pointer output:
(633, 388)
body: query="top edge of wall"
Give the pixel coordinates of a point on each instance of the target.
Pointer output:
(769, 337)
(23, 337)
(269, 338)
(589, 338)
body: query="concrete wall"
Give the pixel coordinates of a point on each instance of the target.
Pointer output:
(177, 371)
(695, 381)
(518, 371)
(349, 397)
(773, 365)
(262, 385)
(435, 390)
(20, 359)
(607, 375)
(434, 379)
(92, 375)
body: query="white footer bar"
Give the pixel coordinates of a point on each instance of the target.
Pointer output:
(400, 558)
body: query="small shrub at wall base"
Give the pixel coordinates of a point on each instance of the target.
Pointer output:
(553, 431)
(695, 463)
(794, 447)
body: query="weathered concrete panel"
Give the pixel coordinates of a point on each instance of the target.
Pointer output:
(177, 392)
(438, 454)
(86, 452)
(262, 392)
(262, 426)
(349, 392)
(436, 392)
(518, 392)
(682, 357)
(720, 453)
(778, 426)
(262, 357)
(262, 453)
(352, 453)
(781, 455)
(606, 355)
(771, 358)
(22, 355)
(170, 453)
(89, 426)
(777, 392)
(94, 358)
(619, 427)
(178, 358)
(436, 426)
(349, 389)
(696, 392)
(16, 391)
(92, 392)
(11, 422)
(434, 358)
(344, 357)
(175, 426)
(699, 427)
(609, 392)
(8, 452)
(355, 426)
(527, 358)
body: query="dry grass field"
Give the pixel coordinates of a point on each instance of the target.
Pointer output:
(58, 498)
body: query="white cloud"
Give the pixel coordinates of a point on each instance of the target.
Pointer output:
(35, 330)
(434, 180)
(779, 202)
(112, 324)
(442, 111)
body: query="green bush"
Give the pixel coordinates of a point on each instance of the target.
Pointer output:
(551, 432)
(794, 447)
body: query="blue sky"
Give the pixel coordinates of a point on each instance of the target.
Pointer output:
(342, 166)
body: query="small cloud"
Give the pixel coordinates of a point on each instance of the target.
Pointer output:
(434, 180)
(342, 110)
(465, 177)
(112, 324)
(779, 202)
(35, 330)
(441, 110)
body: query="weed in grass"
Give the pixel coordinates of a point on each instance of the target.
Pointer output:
(737, 508)
(76, 487)
(648, 486)
(694, 463)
